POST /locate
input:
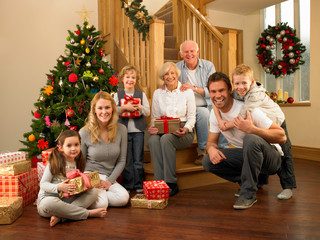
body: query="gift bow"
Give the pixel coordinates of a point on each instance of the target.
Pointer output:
(77, 173)
(130, 98)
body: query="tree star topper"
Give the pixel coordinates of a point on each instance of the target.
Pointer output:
(84, 14)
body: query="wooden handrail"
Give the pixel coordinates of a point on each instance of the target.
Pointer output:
(125, 45)
(204, 21)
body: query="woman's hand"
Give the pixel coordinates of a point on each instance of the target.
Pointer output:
(105, 185)
(181, 132)
(66, 187)
(153, 130)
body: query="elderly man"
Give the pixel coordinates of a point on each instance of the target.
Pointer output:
(256, 140)
(194, 75)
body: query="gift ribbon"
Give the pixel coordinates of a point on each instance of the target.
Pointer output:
(166, 123)
(130, 98)
(77, 173)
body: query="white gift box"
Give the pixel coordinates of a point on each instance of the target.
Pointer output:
(12, 157)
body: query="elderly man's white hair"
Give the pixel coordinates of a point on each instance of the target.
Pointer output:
(189, 41)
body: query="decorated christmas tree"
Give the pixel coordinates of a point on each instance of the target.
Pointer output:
(64, 101)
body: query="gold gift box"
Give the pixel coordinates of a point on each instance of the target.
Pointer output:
(141, 201)
(10, 209)
(13, 169)
(80, 186)
(173, 125)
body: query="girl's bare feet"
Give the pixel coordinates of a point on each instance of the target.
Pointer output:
(99, 212)
(54, 220)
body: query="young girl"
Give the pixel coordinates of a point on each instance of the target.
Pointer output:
(65, 156)
(254, 95)
(133, 174)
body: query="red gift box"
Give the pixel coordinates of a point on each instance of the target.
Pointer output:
(125, 101)
(24, 185)
(156, 189)
(45, 154)
(12, 157)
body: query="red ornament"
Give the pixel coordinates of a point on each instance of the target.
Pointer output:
(73, 77)
(78, 32)
(70, 112)
(37, 115)
(94, 61)
(67, 63)
(101, 71)
(74, 128)
(290, 100)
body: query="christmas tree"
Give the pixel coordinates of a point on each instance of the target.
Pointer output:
(64, 102)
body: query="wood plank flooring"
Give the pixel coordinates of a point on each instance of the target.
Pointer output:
(198, 213)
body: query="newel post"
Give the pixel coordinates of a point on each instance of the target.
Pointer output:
(156, 41)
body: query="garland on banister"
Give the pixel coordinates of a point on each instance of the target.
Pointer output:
(139, 15)
(291, 50)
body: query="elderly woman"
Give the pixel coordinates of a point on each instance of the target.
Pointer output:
(104, 145)
(170, 102)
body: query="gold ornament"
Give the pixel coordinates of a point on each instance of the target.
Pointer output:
(41, 99)
(78, 61)
(60, 59)
(88, 26)
(83, 42)
(55, 124)
(112, 94)
(87, 50)
(95, 78)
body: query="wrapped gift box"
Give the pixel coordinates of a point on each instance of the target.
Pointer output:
(141, 201)
(130, 114)
(24, 185)
(169, 125)
(156, 189)
(45, 154)
(40, 169)
(12, 157)
(15, 168)
(80, 183)
(10, 209)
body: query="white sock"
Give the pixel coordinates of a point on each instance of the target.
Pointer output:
(285, 194)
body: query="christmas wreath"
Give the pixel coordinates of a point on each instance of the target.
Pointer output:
(138, 14)
(291, 50)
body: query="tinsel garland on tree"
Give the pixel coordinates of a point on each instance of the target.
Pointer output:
(138, 15)
(291, 50)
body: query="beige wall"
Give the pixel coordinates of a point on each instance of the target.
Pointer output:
(33, 35)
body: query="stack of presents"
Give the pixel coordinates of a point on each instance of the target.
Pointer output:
(155, 195)
(19, 186)
(19, 183)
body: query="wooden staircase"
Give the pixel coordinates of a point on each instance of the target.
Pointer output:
(179, 20)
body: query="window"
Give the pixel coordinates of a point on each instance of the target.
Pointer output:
(297, 14)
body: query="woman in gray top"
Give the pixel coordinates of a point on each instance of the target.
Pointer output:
(104, 145)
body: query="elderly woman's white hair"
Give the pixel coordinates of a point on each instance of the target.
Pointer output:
(165, 68)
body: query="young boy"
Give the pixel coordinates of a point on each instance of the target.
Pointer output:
(254, 95)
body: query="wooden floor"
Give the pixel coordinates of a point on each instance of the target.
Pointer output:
(199, 213)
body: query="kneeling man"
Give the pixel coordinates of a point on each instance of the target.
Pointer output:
(256, 140)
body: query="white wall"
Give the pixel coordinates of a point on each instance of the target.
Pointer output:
(33, 35)
(154, 5)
